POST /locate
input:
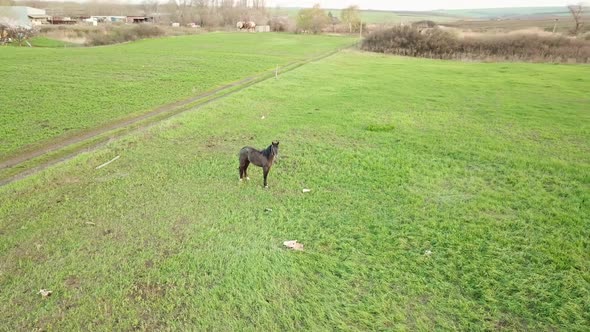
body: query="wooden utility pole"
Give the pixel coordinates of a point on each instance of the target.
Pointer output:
(361, 30)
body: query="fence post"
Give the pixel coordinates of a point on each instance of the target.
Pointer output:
(361, 31)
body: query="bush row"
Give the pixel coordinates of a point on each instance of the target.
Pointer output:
(123, 34)
(441, 44)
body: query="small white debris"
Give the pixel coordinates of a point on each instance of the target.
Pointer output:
(306, 190)
(262, 117)
(293, 244)
(268, 210)
(90, 223)
(428, 253)
(108, 162)
(45, 293)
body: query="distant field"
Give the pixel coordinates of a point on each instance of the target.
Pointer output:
(441, 16)
(509, 19)
(444, 196)
(564, 24)
(381, 17)
(49, 93)
(506, 12)
(375, 16)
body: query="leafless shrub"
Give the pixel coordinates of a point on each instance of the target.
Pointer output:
(312, 20)
(577, 11)
(122, 34)
(440, 44)
(12, 32)
(281, 24)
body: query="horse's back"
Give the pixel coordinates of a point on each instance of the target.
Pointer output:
(245, 151)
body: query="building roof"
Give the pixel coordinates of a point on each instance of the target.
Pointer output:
(39, 16)
(18, 15)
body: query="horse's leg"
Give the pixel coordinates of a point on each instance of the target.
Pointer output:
(242, 164)
(265, 170)
(246, 169)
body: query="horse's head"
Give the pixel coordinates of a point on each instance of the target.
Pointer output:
(275, 147)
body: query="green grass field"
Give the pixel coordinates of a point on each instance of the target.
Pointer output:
(490, 13)
(56, 92)
(444, 196)
(48, 42)
(383, 16)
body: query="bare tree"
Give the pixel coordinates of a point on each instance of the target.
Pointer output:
(351, 16)
(209, 13)
(12, 31)
(577, 11)
(150, 6)
(312, 19)
(3, 34)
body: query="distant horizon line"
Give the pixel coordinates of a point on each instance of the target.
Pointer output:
(422, 10)
(326, 8)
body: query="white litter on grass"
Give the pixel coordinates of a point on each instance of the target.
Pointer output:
(45, 293)
(268, 210)
(108, 162)
(293, 244)
(262, 118)
(428, 253)
(306, 190)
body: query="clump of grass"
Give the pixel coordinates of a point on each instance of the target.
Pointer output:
(441, 44)
(381, 127)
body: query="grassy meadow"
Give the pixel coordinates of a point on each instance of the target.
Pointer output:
(492, 13)
(382, 16)
(40, 41)
(444, 196)
(50, 93)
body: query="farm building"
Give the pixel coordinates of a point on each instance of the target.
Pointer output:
(62, 20)
(109, 19)
(23, 16)
(139, 19)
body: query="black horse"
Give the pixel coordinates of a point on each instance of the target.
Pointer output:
(262, 158)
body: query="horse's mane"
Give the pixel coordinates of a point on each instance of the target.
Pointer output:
(267, 152)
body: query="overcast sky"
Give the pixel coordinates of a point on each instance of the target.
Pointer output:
(419, 4)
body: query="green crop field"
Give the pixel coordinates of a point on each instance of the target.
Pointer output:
(48, 42)
(444, 196)
(382, 16)
(390, 17)
(490, 13)
(49, 93)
